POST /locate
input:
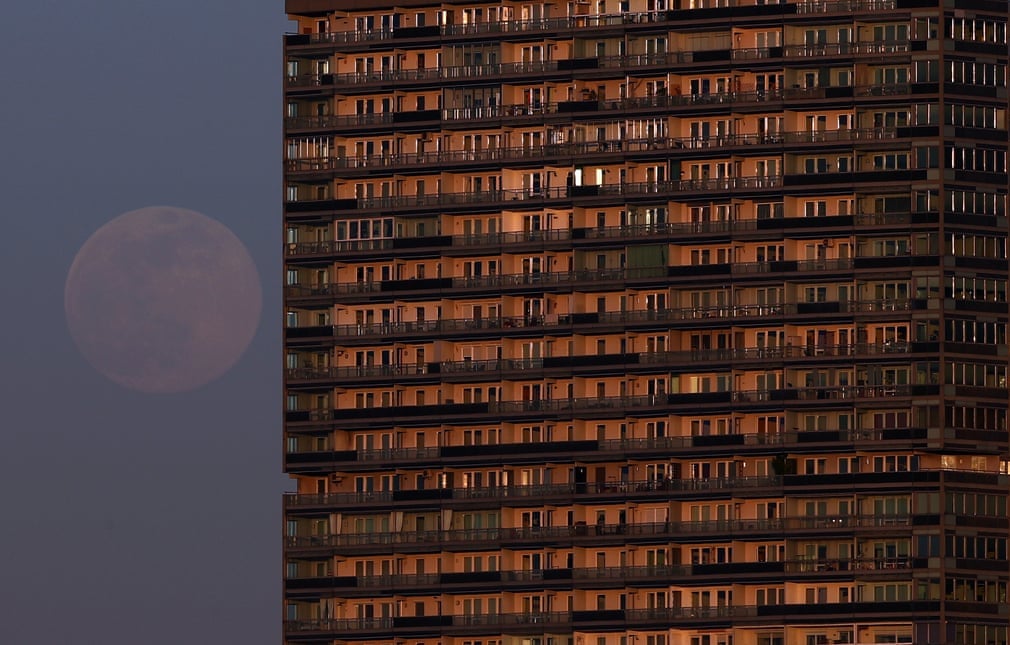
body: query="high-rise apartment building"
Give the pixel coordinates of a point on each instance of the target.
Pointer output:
(646, 323)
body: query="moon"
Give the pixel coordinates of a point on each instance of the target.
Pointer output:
(163, 300)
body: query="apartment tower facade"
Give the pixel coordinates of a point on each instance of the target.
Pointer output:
(646, 322)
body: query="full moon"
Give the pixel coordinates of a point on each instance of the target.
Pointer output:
(163, 299)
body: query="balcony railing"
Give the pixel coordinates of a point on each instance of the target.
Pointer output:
(619, 405)
(844, 6)
(658, 61)
(575, 22)
(554, 151)
(293, 500)
(446, 73)
(503, 495)
(859, 565)
(542, 194)
(573, 450)
(597, 531)
(452, 325)
(478, 282)
(586, 107)
(508, 198)
(660, 229)
(827, 49)
(469, 620)
(521, 365)
(504, 281)
(619, 617)
(330, 247)
(658, 574)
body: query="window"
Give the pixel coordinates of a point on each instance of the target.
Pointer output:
(769, 210)
(816, 466)
(890, 592)
(815, 208)
(895, 463)
(927, 114)
(891, 75)
(927, 71)
(890, 161)
(976, 30)
(975, 116)
(365, 229)
(890, 33)
(816, 165)
(969, 72)
(815, 294)
(979, 159)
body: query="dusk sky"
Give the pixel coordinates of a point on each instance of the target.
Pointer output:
(132, 518)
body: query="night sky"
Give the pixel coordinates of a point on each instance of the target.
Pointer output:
(131, 518)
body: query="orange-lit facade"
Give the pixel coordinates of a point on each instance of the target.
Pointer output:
(646, 322)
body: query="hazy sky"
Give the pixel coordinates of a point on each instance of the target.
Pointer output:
(130, 518)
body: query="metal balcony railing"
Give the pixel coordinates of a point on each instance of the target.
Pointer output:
(631, 445)
(596, 531)
(826, 49)
(507, 198)
(621, 405)
(658, 61)
(591, 107)
(531, 490)
(576, 22)
(520, 365)
(557, 150)
(844, 6)
(560, 278)
(627, 617)
(539, 621)
(659, 573)
(407, 622)
(479, 282)
(661, 229)
(502, 495)
(450, 325)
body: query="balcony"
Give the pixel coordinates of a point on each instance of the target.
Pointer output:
(503, 369)
(844, 49)
(573, 25)
(565, 281)
(525, 494)
(588, 108)
(568, 153)
(557, 197)
(431, 624)
(316, 251)
(845, 6)
(609, 619)
(560, 579)
(538, 197)
(445, 243)
(599, 491)
(370, 80)
(437, 75)
(310, 459)
(608, 407)
(688, 317)
(859, 566)
(583, 534)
